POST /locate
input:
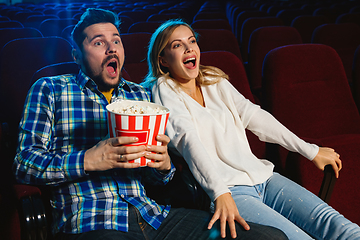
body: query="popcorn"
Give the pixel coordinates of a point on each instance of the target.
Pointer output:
(144, 120)
(136, 109)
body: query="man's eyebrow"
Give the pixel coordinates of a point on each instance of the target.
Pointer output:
(101, 35)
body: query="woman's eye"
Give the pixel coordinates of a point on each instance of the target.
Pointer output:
(176, 45)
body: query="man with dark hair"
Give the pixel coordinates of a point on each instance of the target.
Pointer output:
(96, 192)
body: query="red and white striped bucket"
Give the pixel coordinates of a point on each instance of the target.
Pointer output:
(143, 126)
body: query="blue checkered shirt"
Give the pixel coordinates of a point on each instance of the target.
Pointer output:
(63, 117)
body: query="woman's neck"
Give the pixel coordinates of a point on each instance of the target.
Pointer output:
(194, 90)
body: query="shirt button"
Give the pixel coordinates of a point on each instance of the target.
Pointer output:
(115, 173)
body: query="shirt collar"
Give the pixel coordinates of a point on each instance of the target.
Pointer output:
(83, 80)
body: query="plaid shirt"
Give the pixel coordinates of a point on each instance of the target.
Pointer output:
(63, 117)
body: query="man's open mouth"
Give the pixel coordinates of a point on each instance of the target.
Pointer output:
(112, 67)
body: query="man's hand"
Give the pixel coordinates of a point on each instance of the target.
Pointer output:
(227, 212)
(159, 154)
(111, 153)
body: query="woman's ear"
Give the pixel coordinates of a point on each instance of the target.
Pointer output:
(163, 62)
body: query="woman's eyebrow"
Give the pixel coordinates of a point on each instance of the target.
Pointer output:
(175, 40)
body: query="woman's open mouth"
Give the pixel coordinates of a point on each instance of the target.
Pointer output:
(190, 62)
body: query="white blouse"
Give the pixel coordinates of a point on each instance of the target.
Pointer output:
(212, 139)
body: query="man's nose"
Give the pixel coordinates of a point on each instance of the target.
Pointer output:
(111, 48)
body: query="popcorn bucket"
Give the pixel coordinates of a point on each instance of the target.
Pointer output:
(143, 120)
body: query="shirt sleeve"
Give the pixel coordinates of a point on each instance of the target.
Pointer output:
(184, 138)
(267, 127)
(36, 162)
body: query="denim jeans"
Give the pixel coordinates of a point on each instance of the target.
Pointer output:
(281, 203)
(180, 224)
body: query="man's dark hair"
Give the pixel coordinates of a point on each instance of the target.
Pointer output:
(90, 17)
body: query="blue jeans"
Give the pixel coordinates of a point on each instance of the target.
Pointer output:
(281, 203)
(180, 224)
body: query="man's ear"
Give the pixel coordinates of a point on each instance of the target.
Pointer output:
(76, 55)
(163, 62)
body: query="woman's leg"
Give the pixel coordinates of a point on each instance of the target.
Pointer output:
(249, 201)
(307, 211)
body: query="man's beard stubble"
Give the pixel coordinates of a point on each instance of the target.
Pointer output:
(103, 86)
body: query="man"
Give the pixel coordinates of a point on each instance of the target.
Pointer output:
(96, 192)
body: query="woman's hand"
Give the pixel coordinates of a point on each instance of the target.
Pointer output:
(227, 212)
(327, 156)
(159, 154)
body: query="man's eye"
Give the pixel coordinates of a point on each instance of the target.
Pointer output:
(98, 43)
(117, 42)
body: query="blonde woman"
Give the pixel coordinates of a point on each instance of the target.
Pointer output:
(207, 127)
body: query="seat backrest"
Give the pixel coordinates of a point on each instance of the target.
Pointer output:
(144, 26)
(306, 89)
(263, 40)
(356, 77)
(306, 24)
(201, 15)
(19, 60)
(54, 27)
(8, 34)
(135, 46)
(242, 16)
(249, 26)
(126, 22)
(288, 15)
(233, 67)
(218, 40)
(348, 17)
(343, 37)
(163, 16)
(11, 24)
(211, 24)
(136, 16)
(35, 21)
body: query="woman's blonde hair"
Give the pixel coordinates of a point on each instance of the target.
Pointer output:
(157, 44)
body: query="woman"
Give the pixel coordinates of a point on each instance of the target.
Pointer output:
(207, 127)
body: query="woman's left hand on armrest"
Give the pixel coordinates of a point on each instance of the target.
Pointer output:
(327, 156)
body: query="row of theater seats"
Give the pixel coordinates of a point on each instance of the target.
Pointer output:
(322, 95)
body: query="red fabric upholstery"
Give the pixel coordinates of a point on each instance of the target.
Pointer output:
(306, 24)
(356, 77)
(349, 17)
(35, 53)
(343, 37)
(240, 19)
(306, 89)
(261, 42)
(135, 46)
(234, 68)
(218, 40)
(211, 24)
(249, 26)
(144, 26)
(288, 15)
